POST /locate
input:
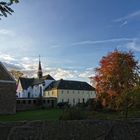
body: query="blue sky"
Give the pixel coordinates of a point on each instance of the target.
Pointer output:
(70, 35)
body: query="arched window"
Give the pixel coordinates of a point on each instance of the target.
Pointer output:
(40, 93)
(29, 94)
(83, 100)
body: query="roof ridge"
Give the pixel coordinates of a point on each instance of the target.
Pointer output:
(5, 69)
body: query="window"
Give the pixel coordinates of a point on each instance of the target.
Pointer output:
(40, 94)
(48, 93)
(73, 91)
(68, 100)
(52, 92)
(48, 101)
(79, 100)
(78, 91)
(83, 100)
(44, 101)
(73, 101)
(29, 94)
(67, 91)
(62, 100)
(62, 91)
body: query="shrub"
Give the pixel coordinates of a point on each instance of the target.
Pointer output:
(73, 114)
(93, 104)
(63, 105)
(81, 105)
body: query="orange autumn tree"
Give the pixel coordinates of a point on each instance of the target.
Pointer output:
(117, 74)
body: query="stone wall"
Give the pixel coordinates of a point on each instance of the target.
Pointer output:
(71, 130)
(7, 98)
(34, 103)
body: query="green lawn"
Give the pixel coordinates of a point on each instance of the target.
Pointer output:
(54, 114)
(40, 114)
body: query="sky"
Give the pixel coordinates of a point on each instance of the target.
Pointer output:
(71, 36)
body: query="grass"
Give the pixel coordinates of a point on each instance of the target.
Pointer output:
(40, 114)
(113, 115)
(54, 114)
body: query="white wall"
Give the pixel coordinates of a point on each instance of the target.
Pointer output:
(36, 90)
(71, 96)
(50, 93)
(75, 96)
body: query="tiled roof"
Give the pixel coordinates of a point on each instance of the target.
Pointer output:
(26, 82)
(4, 74)
(48, 77)
(69, 85)
(41, 80)
(37, 81)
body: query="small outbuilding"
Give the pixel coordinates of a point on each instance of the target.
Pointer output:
(7, 91)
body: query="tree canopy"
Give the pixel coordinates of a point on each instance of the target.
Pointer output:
(5, 7)
(16, 74)
(117, 74)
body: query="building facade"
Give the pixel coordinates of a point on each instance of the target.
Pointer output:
(7, 92)
(72, 92)
(46, 87)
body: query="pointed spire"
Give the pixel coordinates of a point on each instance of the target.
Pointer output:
(39, 73)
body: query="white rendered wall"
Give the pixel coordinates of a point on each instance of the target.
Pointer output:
(75, 96)
(71, 96)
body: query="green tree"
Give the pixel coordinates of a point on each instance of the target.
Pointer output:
(5, 7)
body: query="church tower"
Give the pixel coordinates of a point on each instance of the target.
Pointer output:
(39, 73)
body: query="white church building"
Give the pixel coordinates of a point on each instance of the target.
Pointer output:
(46, 86)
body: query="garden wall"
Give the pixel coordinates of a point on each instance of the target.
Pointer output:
(71, 130)
(7, 98)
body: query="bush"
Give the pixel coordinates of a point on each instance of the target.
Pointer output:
(63, 105)
(81, 105)
(73, 114)
(93, 104)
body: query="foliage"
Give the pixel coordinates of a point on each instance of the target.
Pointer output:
(93, 104)
(16, 74)
(81, 105)
(5, 7)
(116, 77)
(137, 98)
(73, 114)
(63, 105)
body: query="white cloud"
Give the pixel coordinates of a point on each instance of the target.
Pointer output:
(133, 46)
(87, 73)
(124, 20)
(103, 41)
(59, 73)
(12, 66)
(29, 67)
(6, 57)
(128, 17)
(7, 32)
(124, 23)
